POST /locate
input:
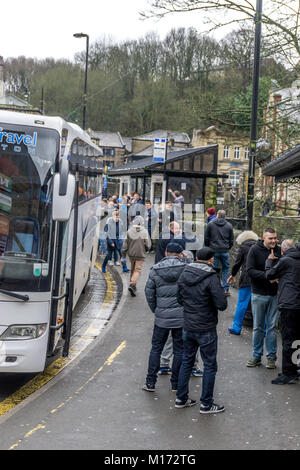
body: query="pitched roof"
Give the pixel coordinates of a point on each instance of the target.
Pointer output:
(108, 139)
(179, 137)
(289, 106)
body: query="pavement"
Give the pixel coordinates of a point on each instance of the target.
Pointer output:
(97, 402)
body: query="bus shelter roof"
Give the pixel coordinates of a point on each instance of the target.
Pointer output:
(145, 166)
(286, 166)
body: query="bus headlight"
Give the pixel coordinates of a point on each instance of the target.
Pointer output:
(23, 332)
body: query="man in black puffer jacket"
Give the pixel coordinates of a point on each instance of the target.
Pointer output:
(161, 295)
(219, 237)
(287, 271)
(201, 295)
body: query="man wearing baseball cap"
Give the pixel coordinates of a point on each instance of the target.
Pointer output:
(161, 295)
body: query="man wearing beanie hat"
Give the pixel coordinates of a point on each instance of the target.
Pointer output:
(161, 295)
(201, 295)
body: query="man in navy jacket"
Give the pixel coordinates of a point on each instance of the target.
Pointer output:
(201, 295)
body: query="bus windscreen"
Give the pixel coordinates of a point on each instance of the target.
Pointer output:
(28, 157)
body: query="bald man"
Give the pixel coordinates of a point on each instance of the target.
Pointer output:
(286, 272)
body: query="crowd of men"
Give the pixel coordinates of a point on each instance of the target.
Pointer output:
(187, 288)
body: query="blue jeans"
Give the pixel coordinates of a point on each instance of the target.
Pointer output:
(111, 251)
(224, 259)
(208, 343)
(241, 308)
(265, 313)
(159, 339)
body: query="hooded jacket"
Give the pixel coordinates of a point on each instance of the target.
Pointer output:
(256, 261)
(219, 235)
(287, 270)
(137, 243)
(245, 241)
(201, 295)
(161, 292)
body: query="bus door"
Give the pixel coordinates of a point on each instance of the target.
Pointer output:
(60, 287)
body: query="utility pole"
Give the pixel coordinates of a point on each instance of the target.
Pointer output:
(253, 134)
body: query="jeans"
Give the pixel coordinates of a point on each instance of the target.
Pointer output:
(208, 343)
(159, 338)
(241, 308)
(265, 313)
(290, 332)
(111, 251)
(224, 259)
(167, 353)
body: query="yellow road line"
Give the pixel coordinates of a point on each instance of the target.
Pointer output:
(108, 362)
(57, 366)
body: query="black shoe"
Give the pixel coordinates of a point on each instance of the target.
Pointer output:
(284, 380)
(211, 409)
(148, 388)
(184, 404)
(132, 290)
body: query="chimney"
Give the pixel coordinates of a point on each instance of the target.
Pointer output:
(1, 77)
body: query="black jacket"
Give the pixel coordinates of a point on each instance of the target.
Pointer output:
(287, 270)
(256, 261)
(241, 262)
(201, 295)
(164, 239)
(219, 235)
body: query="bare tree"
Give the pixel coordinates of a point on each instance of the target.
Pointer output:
(281, 19)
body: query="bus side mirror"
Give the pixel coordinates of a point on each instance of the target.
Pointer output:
(63, 193)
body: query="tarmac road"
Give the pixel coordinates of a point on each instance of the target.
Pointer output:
(97, 403)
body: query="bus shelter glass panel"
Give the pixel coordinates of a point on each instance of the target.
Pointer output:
(28, 157)
(147, 188)
(140, 186)
(190, 188)
(157, 195)
(132, 185)
(113, 185)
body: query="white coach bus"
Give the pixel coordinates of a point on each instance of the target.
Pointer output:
(50, 185)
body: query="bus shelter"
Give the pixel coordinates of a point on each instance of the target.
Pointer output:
(191, 171)
(286, 167)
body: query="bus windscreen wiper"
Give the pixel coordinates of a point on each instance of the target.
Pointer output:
(25, 298)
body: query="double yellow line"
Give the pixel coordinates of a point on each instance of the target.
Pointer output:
(57, 366)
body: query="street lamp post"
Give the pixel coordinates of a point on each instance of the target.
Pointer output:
(79, 36)
(253, 137)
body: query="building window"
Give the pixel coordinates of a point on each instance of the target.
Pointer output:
(226, 151)
(234, 178)
(237, 153)
(108, 152)
(247, 153)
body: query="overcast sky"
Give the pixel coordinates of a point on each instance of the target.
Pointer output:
(45, 29)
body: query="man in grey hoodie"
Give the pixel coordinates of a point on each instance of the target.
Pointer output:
(161, 295)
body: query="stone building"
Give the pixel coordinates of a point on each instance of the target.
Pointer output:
(113, 146)
(233, 154)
